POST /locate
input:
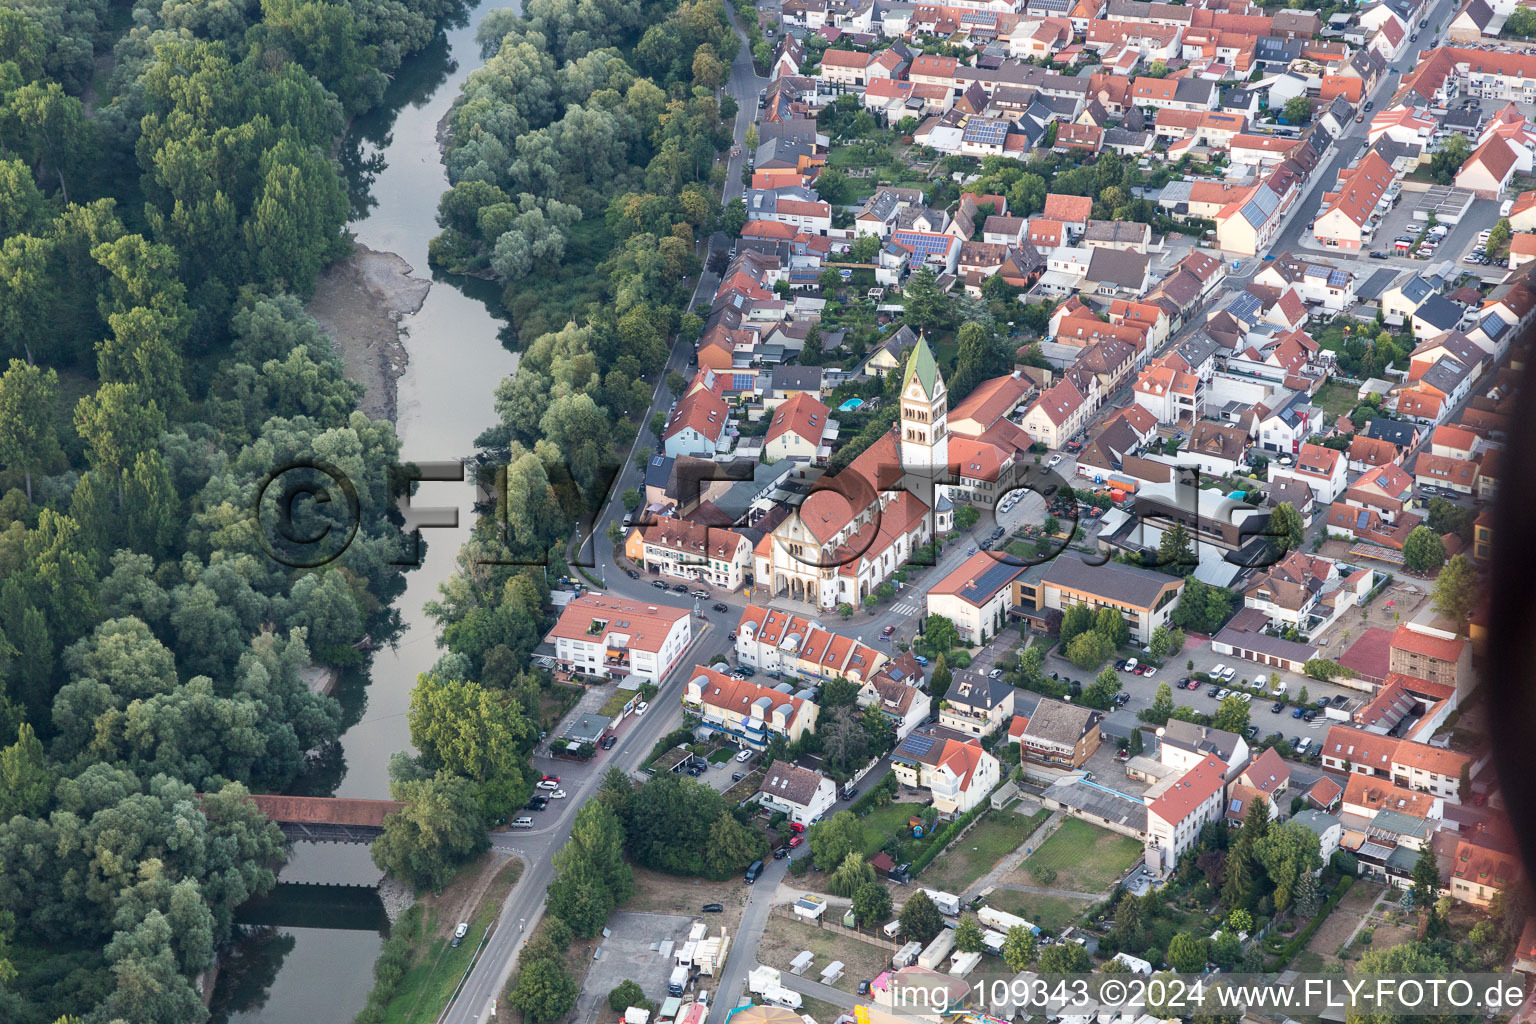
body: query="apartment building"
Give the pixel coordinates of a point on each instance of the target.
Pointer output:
(747, 713)
(607, 637)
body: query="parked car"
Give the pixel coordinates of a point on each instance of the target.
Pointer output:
(780, 853)
(632, 574)
(608, 742)
(738, 776)
(558, 794)
(550, 778)
(1376, 254)
(1322, 702)
(996, 673)
(864, 988)
(1122, 755)
(712, 908)
(1213, 691)
(659, 584)
(459, 933)
(744, 756)
(796, 840)
(1054, 460)
(795, 826)
(1298, 712)
(641, 708)
(721, 606)
(1277, 707)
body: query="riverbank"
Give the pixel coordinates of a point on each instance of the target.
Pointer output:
(360, 302)
(419, 966)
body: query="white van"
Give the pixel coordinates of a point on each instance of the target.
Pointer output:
(1304, 745)
(522, 822)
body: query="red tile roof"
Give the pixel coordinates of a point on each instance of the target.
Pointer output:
(1193, 789)
(1439, 648)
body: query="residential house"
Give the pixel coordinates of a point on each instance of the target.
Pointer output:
(1322, 469)
(771, 640)
(800, 430)
(691, 551)
(1060, 734)
(745, 712)
(957, 771)
(976, 705)
(1433, 654)
(976, 596)
(801, 794)
(1175, 818)
(606, 637)
(1351, 212)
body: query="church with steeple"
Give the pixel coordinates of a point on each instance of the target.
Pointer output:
(855, 529)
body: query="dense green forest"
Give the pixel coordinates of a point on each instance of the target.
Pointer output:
(167, 199)
(584, 150)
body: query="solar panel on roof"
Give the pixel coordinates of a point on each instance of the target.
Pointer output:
(918, 745)
(1362, 519)
(923, 245)
(1316, 271)
(742, 381)
(986, 132)
(979, 18)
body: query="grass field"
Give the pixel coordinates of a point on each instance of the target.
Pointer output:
(1052, 913)
(1335, 398)
(891, 820)
(996, 835)
(1085, 858)
(721, 756)
(616, 703)
(430, 979)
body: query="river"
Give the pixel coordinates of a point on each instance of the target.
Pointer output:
(306, 953)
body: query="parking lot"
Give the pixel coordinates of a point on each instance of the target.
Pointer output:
(628, 954)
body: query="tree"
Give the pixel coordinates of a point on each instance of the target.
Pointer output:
(865, 249)
(1019, 948)
(28, 441)
(1089, 650)
(1238, 889)
(851, 875)
(1324, 669)
(1298, 110)
(1498, 238)
(1076, 619)
(1286, 528)
(1426, 879)
(966, 516)
(1175, 551)
(1286, 852)
(591, 877)
(625, 994)
(1423, 551)
(920, 919)
(1162, 704)
(926, 306)
(940, 678)
(940, 635)
(478, 733)
(439, 828)
(1456, 590)
(1521, 23)
(872, 904)
(1412, 959)
(1187, 954)
(1232, 714)
(1101, 692)
(734, 217)
(832, 840)
(1065, 958)
(1113, 625)
(1448, 160)
(543, 991)
(1305, 898)
(26, 781)
(968, 935)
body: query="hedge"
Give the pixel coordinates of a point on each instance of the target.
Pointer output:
(866, 803)
(1304, 936)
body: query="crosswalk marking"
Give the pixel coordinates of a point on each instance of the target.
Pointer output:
(905, 607)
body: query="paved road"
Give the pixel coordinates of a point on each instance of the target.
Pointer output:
(731, 983)
(1348, 146)
(523, 908)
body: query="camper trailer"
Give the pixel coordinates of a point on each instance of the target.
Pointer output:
(907, 955)
(940, 948)
(947, 902)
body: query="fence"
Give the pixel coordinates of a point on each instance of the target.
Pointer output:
(872, 936)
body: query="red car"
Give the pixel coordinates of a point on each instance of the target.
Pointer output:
(888, 630)
(795, 840)
(551, 778)
(796, 827)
